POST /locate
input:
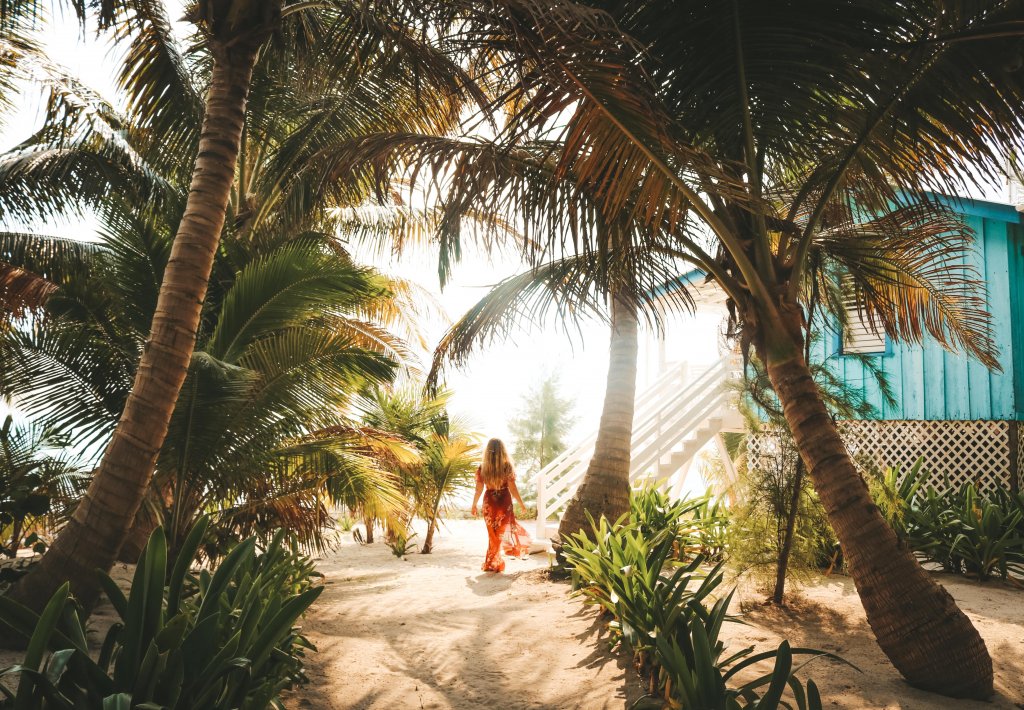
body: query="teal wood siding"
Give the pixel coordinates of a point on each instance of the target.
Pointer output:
(1016, 299)
(928, 381)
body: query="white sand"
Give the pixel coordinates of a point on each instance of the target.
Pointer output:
(435, 632)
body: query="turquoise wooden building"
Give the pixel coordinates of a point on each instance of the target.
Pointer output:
(961, 416)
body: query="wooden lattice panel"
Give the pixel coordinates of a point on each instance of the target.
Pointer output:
(955, 452)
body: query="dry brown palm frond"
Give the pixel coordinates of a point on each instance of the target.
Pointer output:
(21, 291)
(909, 270)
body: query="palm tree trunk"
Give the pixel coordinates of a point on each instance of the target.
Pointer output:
(145, 522)
(605, 487)
(92, 538)
(916, 622)
(428, 541)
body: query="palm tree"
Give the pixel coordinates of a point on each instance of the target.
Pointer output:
(446, 453)
(93, 536)
(317, 46)
(604, 489)
(754, 141)
(808, 131)
(612, 273)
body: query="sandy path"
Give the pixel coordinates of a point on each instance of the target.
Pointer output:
(435, 632)
(827, 615)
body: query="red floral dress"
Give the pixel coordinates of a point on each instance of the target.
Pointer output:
(502, 529)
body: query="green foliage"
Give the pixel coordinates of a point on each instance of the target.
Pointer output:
(960, 529)
(668, 615)
(765, 500)
(895, 493)
(38, 484)
(292, 329)
(539, 429)
(222, 638)
(400, 542)
(698, 526)
(441, 459)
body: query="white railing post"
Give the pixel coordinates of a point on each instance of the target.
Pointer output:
(542, 508)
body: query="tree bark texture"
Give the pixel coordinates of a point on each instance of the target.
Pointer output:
(605, 486)
(428, 541)
(146, 521)
(92, 538)
(916, 622)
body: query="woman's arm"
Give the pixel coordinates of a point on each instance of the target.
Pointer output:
(514, 490)
(479, 490)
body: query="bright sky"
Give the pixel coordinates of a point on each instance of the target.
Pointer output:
(488, 391)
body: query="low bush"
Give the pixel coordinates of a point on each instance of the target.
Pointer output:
(967, 533)
(958, 528)
(698, 526)
(666, 613)
(213, 640)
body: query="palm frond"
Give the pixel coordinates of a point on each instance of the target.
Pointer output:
(282, 289)
(572, 288)
(910, 271)
(68, 377)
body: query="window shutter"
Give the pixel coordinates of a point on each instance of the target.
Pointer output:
(859, 335)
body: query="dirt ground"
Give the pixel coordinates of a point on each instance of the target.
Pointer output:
(433, 631)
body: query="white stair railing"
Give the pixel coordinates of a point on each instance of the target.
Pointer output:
(672, 420)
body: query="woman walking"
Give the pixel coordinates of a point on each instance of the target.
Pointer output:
(499, 478)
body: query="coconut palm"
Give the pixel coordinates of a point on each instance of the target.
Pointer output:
(613, 272)
(808, 131)
(91, 539)
(446, 453)
(321, 46)
(756, 140)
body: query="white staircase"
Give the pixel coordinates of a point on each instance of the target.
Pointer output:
(673, 420)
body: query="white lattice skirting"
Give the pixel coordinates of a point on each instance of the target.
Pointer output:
(986, 453)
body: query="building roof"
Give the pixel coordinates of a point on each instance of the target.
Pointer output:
(708, 293)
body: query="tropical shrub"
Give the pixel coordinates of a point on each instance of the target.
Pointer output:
(967, 533)
(443, 456)
(958, 528)
(698, 526)
(224, 638)
(662, 610)
(399, 541)
(36, 487)
(895, 493)
(757, 535)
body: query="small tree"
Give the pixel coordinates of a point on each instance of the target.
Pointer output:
(779, 493)
(444, 454)
(540, 426)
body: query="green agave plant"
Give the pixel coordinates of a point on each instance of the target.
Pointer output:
(699, 526)
(218, 640)
(969, 534)
(666, 612)
(959, 528)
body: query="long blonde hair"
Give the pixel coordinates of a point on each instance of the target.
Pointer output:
(496, 469)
